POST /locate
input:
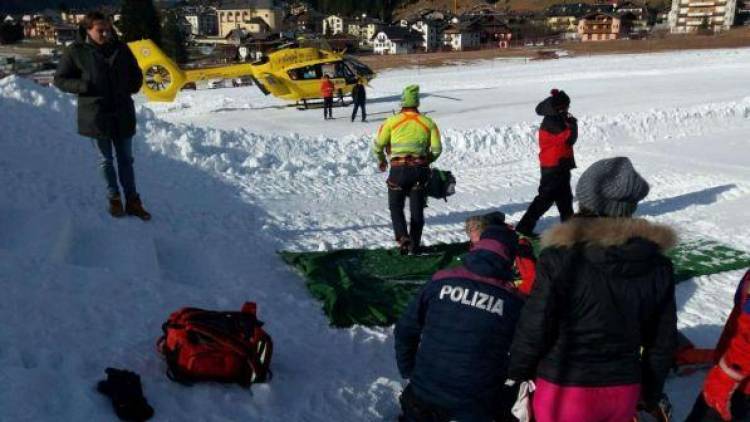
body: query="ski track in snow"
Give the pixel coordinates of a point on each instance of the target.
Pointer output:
(83, 292)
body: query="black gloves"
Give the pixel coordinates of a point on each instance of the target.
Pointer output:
(124, 388)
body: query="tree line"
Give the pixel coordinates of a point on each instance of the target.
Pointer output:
(382, 9)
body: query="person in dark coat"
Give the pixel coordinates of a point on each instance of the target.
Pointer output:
(599, 330)
(452, 342)
(104, 74)
(557, 135)
(359, 96)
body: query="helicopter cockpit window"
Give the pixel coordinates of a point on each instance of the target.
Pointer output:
(343, 71)
(305, 73)
(330, 70)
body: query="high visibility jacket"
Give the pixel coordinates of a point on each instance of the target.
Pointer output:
(408, 134)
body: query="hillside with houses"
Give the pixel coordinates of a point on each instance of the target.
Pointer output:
(225, 31)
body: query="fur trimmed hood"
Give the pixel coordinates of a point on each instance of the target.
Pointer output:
(605, 232)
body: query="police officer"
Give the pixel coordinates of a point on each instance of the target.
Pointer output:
(452, 342)
(413, 142)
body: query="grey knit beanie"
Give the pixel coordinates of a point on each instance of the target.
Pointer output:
(611, 187)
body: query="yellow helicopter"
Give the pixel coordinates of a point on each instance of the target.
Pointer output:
(289, 73)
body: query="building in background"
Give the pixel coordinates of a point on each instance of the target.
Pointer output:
(462, 36)
(240, 14)
(641, 19)
(564, 18)
(709, 15)
(599, 26)
(335, 24)
(396, 40)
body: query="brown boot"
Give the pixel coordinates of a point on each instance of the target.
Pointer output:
(404, 244)
(115, 207)
(134, 207)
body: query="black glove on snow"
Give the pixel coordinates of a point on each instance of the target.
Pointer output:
(124, 388)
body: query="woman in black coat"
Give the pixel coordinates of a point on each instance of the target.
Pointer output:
(599, 330)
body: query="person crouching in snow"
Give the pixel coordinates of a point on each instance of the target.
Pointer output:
(413, 142)
(452, 342)
(525, 262)
(726, 390)
(326, 91)
(599, 331)
(557, 135)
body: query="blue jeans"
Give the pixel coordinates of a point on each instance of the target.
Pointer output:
(124, 150)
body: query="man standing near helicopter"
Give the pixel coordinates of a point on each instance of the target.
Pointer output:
(326, 91)
(359, 97)
(413, 142)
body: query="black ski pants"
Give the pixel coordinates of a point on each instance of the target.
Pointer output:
(703, 413)
(416, 410)
(554, 188)
(408, 182)
(357, 106)
(328, 108)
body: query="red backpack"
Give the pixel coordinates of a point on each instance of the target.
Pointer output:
(201, 345)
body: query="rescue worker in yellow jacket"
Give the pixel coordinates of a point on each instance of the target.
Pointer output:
(412, 141)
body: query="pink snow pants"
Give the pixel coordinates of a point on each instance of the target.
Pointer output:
(554, 403)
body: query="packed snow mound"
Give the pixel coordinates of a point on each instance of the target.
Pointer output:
(94, 291)
(242, 153)
(83, 291)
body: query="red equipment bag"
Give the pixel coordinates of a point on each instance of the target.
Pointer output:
(201, 345)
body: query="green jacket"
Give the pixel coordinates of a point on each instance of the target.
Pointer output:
(408, 133)
(104, 78)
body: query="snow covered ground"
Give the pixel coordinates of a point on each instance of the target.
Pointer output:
(232, 177)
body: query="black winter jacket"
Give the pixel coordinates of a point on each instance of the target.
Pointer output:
(603, 290)
(104, 78)
(453, 340)
(359, 94)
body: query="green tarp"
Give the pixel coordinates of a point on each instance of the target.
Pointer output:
(373, 286)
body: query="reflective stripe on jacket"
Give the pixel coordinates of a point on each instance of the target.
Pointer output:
(408, 134)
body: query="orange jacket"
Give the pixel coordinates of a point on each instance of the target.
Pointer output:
(326, 88)
(734, 344)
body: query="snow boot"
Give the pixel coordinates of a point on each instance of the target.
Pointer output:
(115, 207)
(135, 207)
(528, 234)
(404, 245)
(124, 388)
(415, 249)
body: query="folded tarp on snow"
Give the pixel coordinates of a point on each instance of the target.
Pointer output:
(373, 286)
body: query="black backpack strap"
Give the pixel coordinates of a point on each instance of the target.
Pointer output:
(174, 372)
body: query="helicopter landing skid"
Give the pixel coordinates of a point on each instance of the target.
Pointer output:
(316, 105)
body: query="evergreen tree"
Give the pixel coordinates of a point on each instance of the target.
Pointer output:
(173, 39)
(10, 33)
(140, 20)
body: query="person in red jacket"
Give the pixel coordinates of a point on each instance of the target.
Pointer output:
(326, 91)
(557, 135)
(726, 390)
